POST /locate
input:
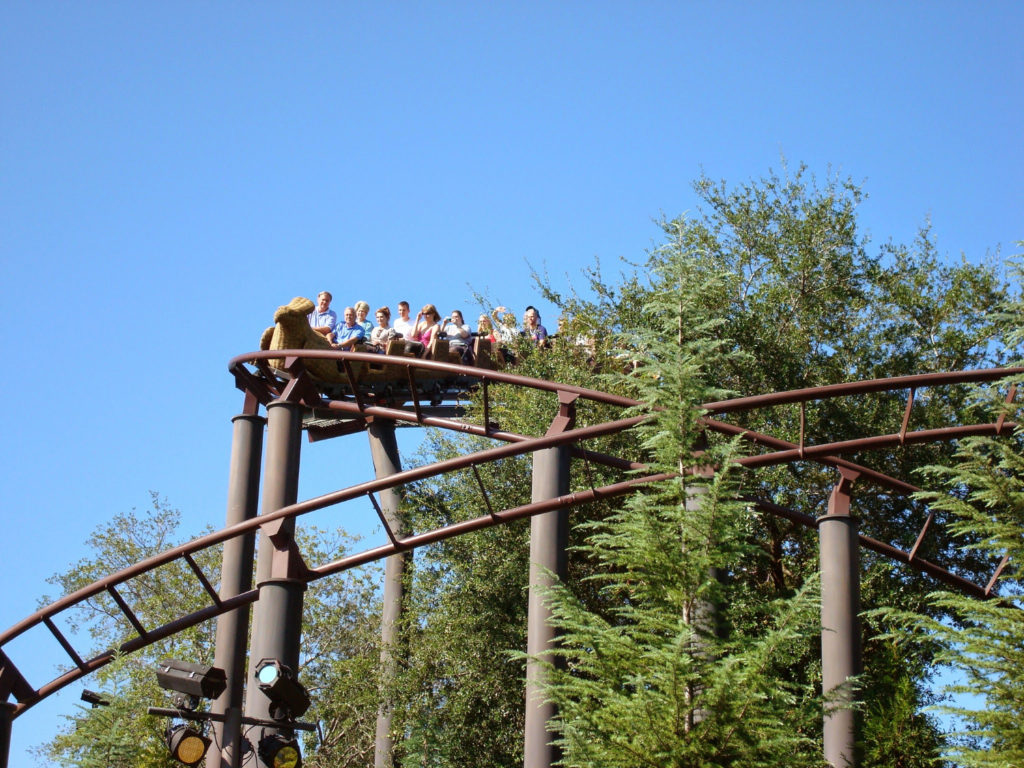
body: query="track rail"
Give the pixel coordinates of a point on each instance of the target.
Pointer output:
(262, 384)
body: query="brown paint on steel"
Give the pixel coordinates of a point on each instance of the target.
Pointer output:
(300, 387)
(861, 387)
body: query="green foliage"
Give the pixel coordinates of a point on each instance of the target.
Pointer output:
(768, 286)
(123, 731)
(690, 666)
(982, 498)
(339, 644)
(119, 735)
(340, 653)
(656, 685)
(459, 694)
(983, 638)
(894, 717)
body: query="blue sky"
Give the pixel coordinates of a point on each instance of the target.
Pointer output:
(172, 172)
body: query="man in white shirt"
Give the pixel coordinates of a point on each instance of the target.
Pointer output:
(407, 328)
(402, 323)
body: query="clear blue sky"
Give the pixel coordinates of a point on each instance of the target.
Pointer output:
(172, 172)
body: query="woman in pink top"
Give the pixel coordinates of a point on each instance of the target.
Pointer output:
(427, 325)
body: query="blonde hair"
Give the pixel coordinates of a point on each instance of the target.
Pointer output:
(431, 311)
(362, 305)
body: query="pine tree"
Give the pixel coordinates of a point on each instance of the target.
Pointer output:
(983, 497)
(690, 666)
(781, 268)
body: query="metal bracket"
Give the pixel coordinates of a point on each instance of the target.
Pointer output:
(566, 418)
(839, 500)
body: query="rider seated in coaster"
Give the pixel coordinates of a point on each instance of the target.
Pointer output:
(459, 335)
(402, 323)
(427, 325)
(505, 332)
(383, 333)
(484, 329)
(532, 327)
(407, 328)
(362, 311)
(504, 325)
(323, 318)
(350, 333)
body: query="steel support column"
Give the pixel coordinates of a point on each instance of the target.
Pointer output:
(704, 619)
(6, 719)
(386, 462)
(840, 630)
(277, 619)
(549, 535)
(235, 578)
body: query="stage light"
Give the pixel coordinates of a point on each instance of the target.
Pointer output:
(91, 697)
(288, 697)
(276, 751)
(186, 745)
(194, 681)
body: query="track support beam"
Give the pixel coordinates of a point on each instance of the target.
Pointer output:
(386, 462)
(840, 629)
(236, 577)
(549, 535)
(277, 623)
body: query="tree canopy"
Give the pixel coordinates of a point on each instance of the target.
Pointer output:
(689, 617)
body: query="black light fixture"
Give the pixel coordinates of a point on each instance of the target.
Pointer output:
(278, 751)
(187, 745)
(96, 699)
(288, 697)
(192, 681)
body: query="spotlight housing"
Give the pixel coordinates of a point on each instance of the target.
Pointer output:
(187, 745)
(194, 681)
(277, 751)
(96, 699)
(288, 697)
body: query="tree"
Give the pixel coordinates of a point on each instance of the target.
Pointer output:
(781, 266)
(692, 666)
(124, 732)
(341, 616)
(983, 493)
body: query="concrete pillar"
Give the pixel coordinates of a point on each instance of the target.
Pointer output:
(386, 462)
(549, 536)
(235, 578)
(840, 629)
(277, 619)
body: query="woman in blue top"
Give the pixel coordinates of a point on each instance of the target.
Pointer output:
(362, 310)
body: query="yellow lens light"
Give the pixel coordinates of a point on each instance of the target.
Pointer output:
(286, 757)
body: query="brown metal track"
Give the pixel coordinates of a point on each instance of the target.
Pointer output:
(263, 385)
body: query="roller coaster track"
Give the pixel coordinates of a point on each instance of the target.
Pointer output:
(412, 391)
